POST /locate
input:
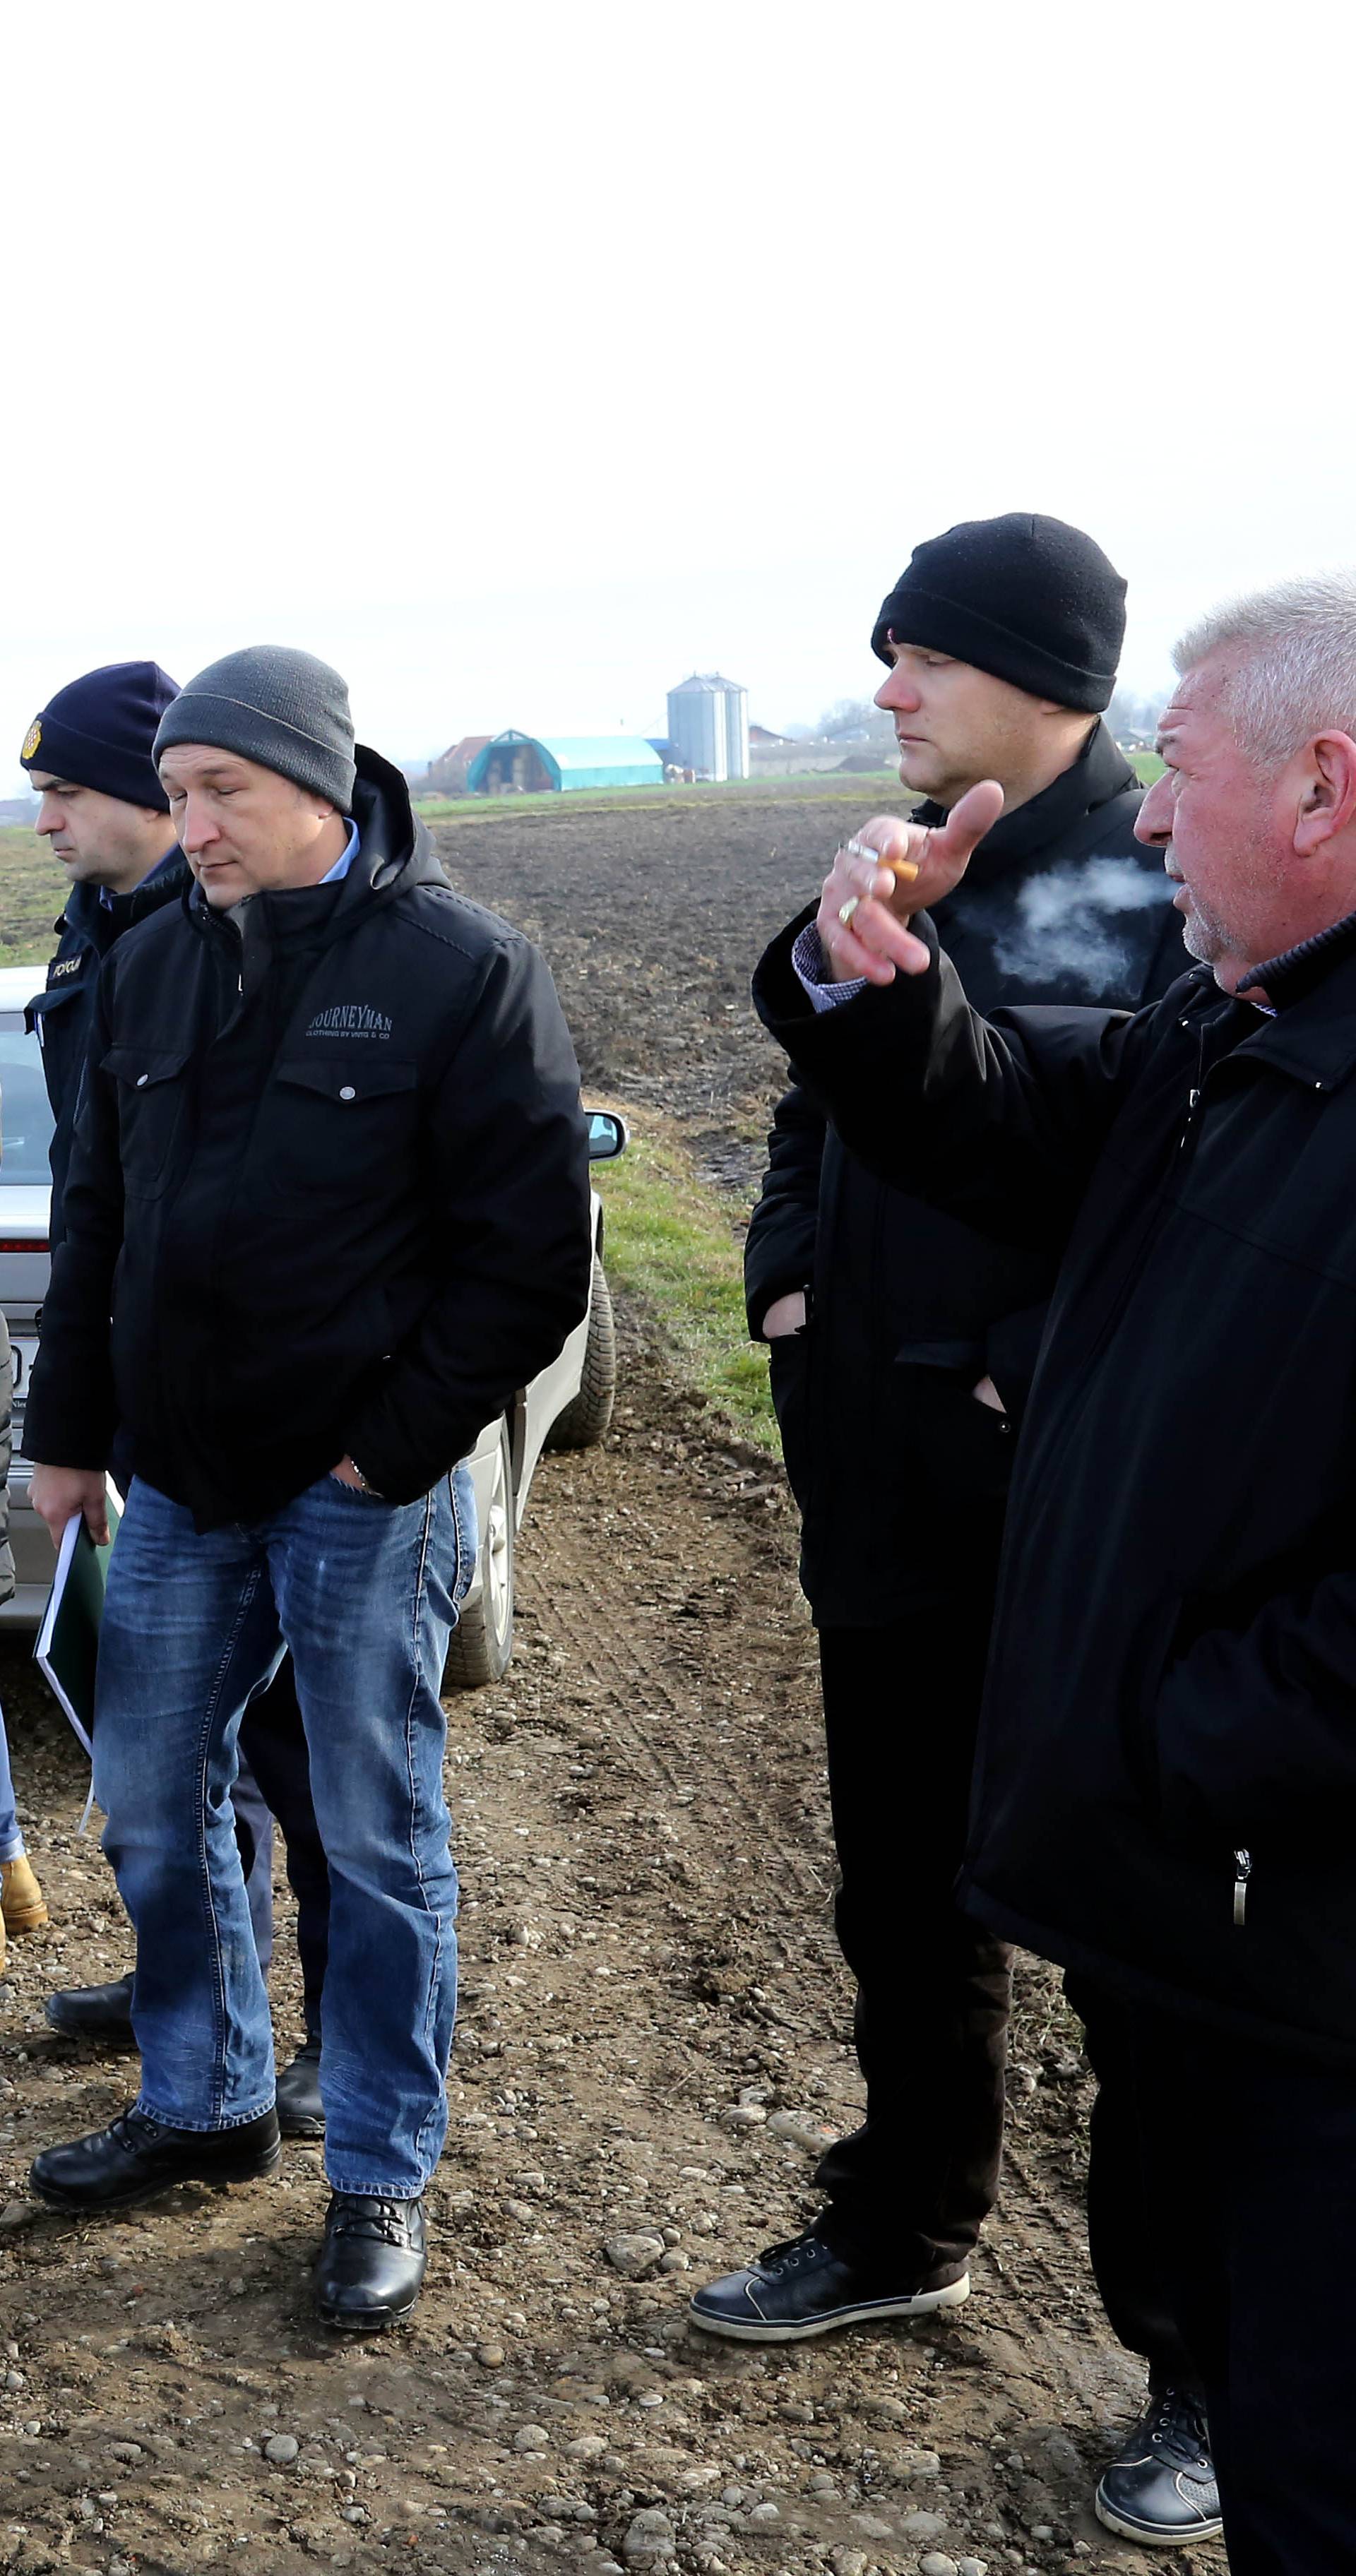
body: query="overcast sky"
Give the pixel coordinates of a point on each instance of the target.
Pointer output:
(520, 361)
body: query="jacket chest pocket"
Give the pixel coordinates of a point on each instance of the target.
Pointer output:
(344, 1128)
(152, 1089)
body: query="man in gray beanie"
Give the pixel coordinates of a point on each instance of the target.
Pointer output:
(283, 710)
(330, 1181)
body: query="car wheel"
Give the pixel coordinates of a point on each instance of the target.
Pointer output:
(586, 1417)
(482, 1641)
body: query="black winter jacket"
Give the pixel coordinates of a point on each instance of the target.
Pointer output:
(910, 1307)
(62, 1014)
(331, 1180)
(1165, 1792)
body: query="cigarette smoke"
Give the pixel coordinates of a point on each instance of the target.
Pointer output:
(1066, 925)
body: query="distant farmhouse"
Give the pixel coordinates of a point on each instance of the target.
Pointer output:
(446, 776)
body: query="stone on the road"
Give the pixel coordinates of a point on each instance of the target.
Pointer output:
(649, 2539)
(634, 2256)
(801, 2131)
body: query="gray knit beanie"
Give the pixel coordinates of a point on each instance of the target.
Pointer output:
(274, 705)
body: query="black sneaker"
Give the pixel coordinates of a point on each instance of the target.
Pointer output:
(803, 2288)
(136, 2158)
(1160, 2489)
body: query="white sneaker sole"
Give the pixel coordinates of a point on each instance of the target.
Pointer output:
(1150, 2538)
(924, 2303)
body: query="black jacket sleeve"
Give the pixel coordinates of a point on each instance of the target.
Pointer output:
(71, 1414)
(779, 1252)
(509, 1176)
(997, 1121)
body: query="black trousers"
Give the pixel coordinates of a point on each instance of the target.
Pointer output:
(911, 2188)
(1249, 2172)
(273, 1744)
(1127, 2241)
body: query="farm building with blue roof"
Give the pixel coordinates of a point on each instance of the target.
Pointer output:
(528, 764)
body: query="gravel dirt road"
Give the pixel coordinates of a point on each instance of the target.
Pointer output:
(655, 2025)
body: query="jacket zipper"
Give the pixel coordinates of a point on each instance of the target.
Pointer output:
(1242, 1874)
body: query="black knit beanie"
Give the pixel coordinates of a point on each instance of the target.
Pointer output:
(1031, 600)
(276, 705)
(98, 732)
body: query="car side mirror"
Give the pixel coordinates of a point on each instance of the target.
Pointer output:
(608, 1136)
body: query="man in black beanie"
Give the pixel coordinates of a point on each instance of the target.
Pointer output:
(330, 1180)
(900, 1346)
(105, 816)
(89, 754)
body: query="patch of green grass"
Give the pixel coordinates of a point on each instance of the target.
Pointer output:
(669, 1243)
(1147, 767)
(32, 888)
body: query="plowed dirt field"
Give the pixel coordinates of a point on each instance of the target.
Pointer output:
(649, 1979)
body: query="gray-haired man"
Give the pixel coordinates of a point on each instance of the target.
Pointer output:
(1165, 1791)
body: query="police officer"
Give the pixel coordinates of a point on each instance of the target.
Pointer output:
(105, 817)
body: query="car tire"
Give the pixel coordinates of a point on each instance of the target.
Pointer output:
(587, 1416)
(481, 1644)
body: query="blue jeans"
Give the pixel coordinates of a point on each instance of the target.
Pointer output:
(365, 1594)
(11, 1838)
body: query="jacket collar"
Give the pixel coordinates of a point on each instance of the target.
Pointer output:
(1312, 988)
(102, 922)
(1100, 772)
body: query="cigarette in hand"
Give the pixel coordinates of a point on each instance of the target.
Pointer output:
(902, 870)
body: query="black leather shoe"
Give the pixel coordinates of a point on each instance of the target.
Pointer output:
(1160, 2489)
(369, 2269)
(136, 2158)
(93, 2012)
(803, 2288)
(301, 2113)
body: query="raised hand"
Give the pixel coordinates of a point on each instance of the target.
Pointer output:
(913, 867)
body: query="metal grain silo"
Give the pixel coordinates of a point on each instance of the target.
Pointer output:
(709, 725)
(736, 730)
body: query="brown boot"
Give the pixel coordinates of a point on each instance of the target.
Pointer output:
(20, 1896)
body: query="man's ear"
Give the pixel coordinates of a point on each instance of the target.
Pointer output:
(1327, 801)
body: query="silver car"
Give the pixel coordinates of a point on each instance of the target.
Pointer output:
(569, 1406)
